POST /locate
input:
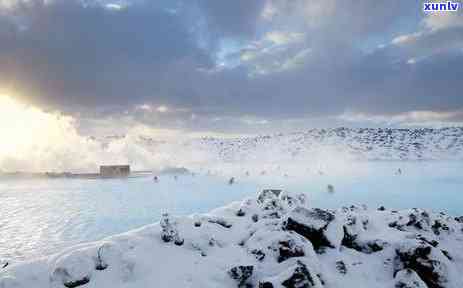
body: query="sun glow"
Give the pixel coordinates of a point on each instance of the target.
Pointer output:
(23, 126)
(27, 130)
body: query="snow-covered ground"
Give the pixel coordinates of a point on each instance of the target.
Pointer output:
(273, 240)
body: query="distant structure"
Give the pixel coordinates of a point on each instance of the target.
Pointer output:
(115, 171)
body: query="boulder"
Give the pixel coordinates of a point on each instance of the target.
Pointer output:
(289, 249)
(341, 267)
(279, 246)
(220, 221)
(241, 274)
(314, 224)
(408, 278)
(427, 261)
(299, 276)
(367, 246)
(72, 270)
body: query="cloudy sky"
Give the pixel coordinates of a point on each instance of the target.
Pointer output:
(241, 66)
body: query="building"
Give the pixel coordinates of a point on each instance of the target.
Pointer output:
(115, 171)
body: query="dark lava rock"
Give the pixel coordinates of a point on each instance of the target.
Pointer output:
(368, 247)
(221, 222)
(341, 267)
(415, 222)
(77, 283)
(300, 277)
(240, 213)
(266, 285)
(311, 224)
(447, 254)
(459, 219)
(289, 249)
(241, 274)
(259, 254)
(419, 221)
(381, 208)
(408, 278)
(424, 240)
(418, 259)
(255, 217)
(438, 227)
(68, 280)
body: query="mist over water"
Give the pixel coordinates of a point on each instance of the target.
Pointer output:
(38, 141)
(57, 146)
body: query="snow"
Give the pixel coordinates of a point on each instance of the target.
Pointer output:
(232, 247)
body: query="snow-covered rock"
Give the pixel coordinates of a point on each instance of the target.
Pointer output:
(275, 240)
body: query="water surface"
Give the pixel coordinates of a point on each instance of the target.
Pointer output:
(43, 216)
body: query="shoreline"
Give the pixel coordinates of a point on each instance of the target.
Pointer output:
(273, 239)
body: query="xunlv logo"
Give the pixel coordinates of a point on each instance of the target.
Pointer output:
(441, 6)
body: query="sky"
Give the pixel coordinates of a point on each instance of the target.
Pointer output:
(233, 67)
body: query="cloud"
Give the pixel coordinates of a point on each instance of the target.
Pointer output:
(70, 54)
(238, 18)
(411, 118)
(249, 63)
(436, 21)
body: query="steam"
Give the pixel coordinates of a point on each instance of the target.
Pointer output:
(36, 141)
(33, 140)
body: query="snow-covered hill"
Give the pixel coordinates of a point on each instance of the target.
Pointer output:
(362, 144)
(275, 240)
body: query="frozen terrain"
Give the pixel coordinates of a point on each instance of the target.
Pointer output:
(273, 240)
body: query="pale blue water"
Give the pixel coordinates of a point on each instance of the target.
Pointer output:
(43, 216)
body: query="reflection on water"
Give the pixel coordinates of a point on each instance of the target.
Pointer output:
(42, 216)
